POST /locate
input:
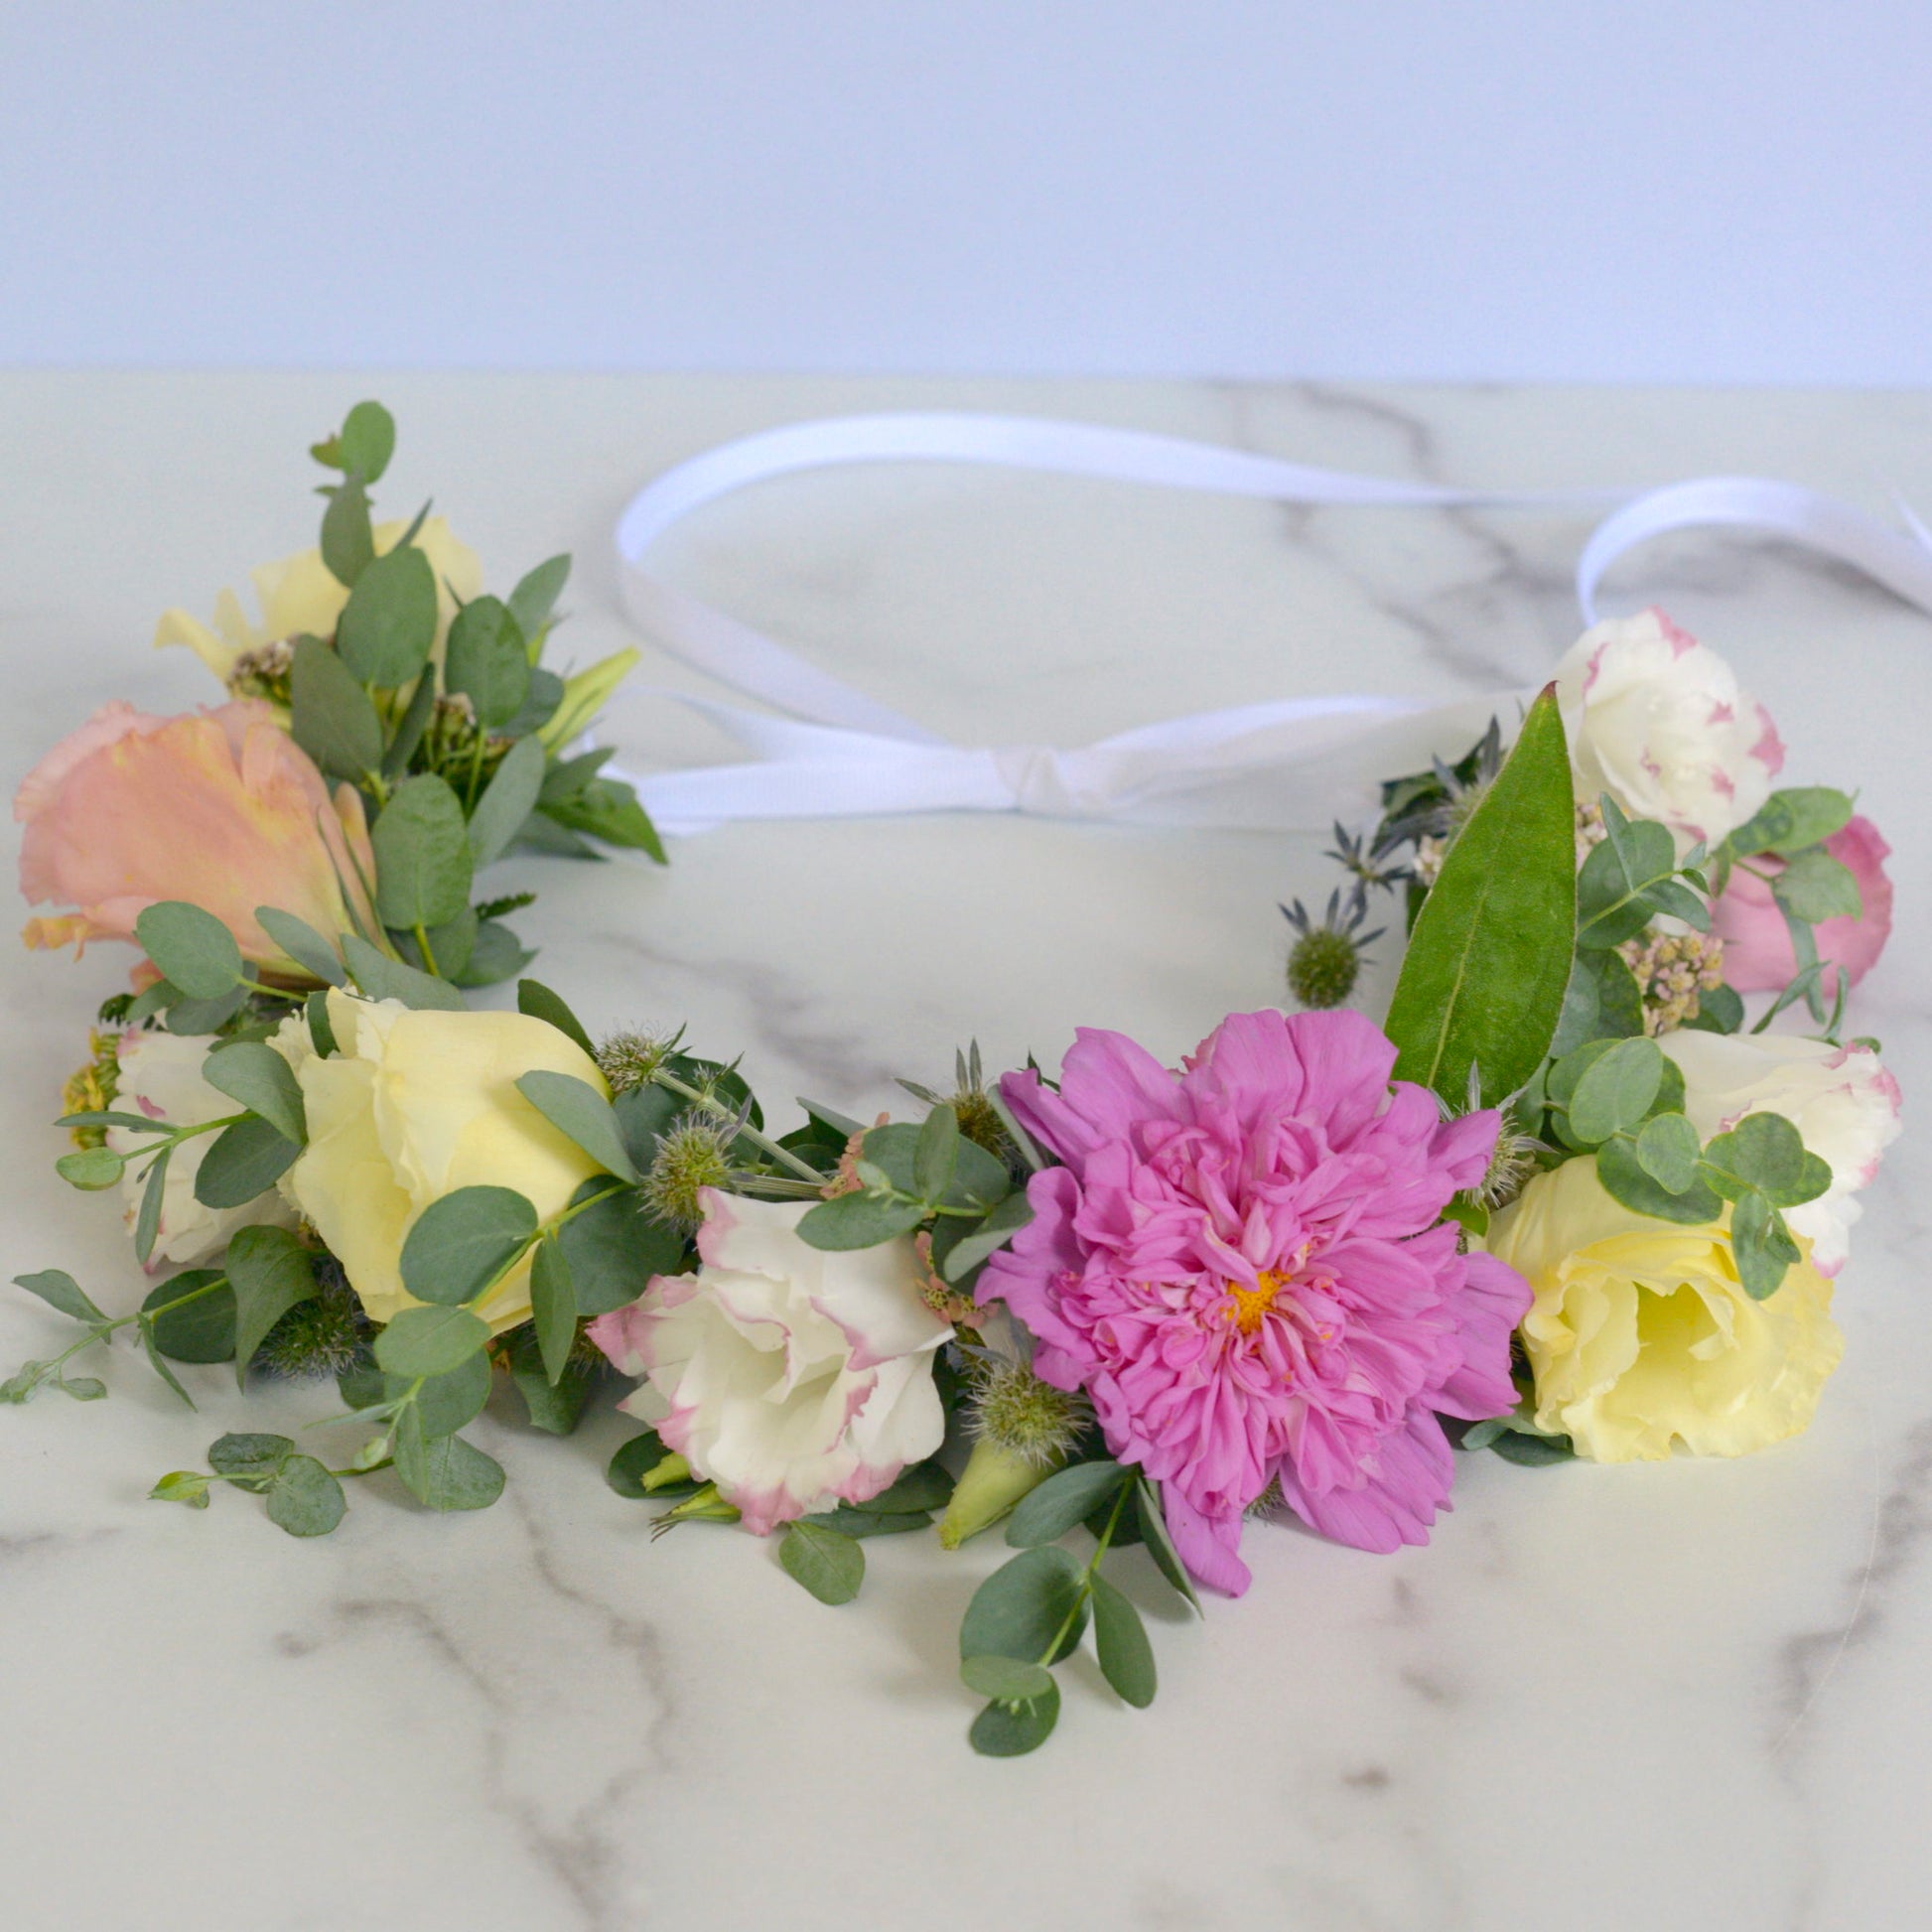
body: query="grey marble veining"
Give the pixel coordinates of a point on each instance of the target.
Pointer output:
(1686, 1696)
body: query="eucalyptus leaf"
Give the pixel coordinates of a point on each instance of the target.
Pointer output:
(90, 1168)
(608, 809)
(250, 1458)
(388, 624)
(1791, 819)
(507, 800)
(1667, 1151)
(413, 727)
(1014, 1729)
(827, 1563)
(1034, 1603)
(496, 955)
(1627, 1180)
(614, 1245)
(381, 978)
(348, 542)
(1483, 981)
(487, 661)
(60, 1290)
(255, 1074)
(429, 1341)
(199, 1331)
(1813, 887)
(581, 1115)
(553, 1308)
(1006, 1680)
(1120, 1637)
(1763, 1151)
(1615, 1091)
(445, 1472)
(193, 949)
(189, 1017)
(330, 715)
(302, 944)
(454, 1399)
(1000, 1226)
(271, 1272)
(537, 1000)
(365, 442)
(246, 1160)
(423, 866)
(1159, 1545)
(1062, 1502)
(457, 1247)
(536, 593)
(1761, 1244)
(936, 1153)
(858, 1222)
(305, 1500)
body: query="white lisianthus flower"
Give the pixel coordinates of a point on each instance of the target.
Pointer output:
(1659, 722)
(1840, 1099)
(411, 1106)
(792, 1378)
(300, 594)
(161, 1078)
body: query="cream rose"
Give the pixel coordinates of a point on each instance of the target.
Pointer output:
(298, 593)
(792, 1378)
(412, 1106)
(1659, 722)
(161, 1078)
(1640, 1334)
(1840, 1099)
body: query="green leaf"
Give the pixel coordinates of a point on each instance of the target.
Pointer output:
(201, 1331)
(205, 1016)
(827, 1563)
(991, 1234)
(858, 1222)
(447, 1473)
(188, 1487)
(643, 1114)
(1790, 820)
(61, 1291)
(1159, 1545)
(423, 867)
(246, 1160)
(1034, 1602)
(271, 1273)
(487, 661)
(636, 1460)
(1763, 1151)
(1126, 1656)
(1006, 1680)
(389, 621)
(348, 542)
(459, 1246)
(429, 1341)
(1615, 1091)
(508, 801)
(546, 694)
(581, 1115)
(322, 1036)
(536, 594)
(193, 949)
(553, 1308)
(330, 715)
(366, 441)
(1667, 1151)
(456, 1398)
(498, 955)
(980, 1179)
(936, 1153)
(1719, 1011)
(555, 1409)
(90, 1168)
(1761, 1244)
(305, 1500)
(1062, 1502)
(252, 1457)
(614, 1247)
(1813, 887)
(302, 944)
(147, 1220)
(381, 978)
(925, 1485)
(1483, 981)
(608, 809)
(1627, 1180)
(1533, 1452)
(145, 1328)
(866, 1523)
(1014, 1729)
(1601, 1002)
(537, 1000)
(255, 1073)
(1616, 888)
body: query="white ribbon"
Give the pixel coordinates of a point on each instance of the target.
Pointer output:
(1293, 764)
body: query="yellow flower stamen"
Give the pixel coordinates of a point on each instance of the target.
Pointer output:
(1251, 1303)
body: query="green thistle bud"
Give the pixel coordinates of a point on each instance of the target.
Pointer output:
(1024, 1429)
(629, 1060)
(325, 1335)
(692, 1155)
(1327, 956)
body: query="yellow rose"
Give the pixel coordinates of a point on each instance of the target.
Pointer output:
(1640, 1332)
(411, 1106)
(296, 594)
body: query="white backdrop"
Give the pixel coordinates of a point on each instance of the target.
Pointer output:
(1648, 190)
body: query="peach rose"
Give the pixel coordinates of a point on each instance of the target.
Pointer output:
(221, 807)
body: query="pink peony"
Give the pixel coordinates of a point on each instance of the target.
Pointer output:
(1757, 942)
(222, 808)
(1241, 1265)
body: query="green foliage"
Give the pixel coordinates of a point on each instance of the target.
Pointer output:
(535, 599)
(1120, 1638)
(634, 1463)
(537, 1000)
(302, 944)
(1791, 820)
(1630, 879)
(444, 1472)
(457, 1247)
(826, 1561)
(379, 977)
(255, 1074)
(488, 663)
(245, 1159)
(1482, 982)
(1159, 1545)
(330, 715)
(1062, 1502)
(553, 1308)
(270, 1273)
(195, 951)
(429, 1341)
(199, 1331)
(506, 802)
(914, 1175)
(583, 1116)
(59, 1289)
(423, 865)
(614, 1245)
(1034, 1607)
(388, 624)
(1012, 1729)
(362, 446)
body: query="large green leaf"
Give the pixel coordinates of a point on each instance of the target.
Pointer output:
(1483, 979)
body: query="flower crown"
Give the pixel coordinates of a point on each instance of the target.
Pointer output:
(1584, 1193)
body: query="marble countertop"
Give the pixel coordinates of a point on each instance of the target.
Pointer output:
(1687, 1695)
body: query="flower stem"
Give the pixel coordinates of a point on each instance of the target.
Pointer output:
(1086, 1576)
(710, 1101)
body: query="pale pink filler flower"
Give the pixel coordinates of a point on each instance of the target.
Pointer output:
(1242, 1265)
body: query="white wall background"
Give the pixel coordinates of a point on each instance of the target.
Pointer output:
(1639, 189)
